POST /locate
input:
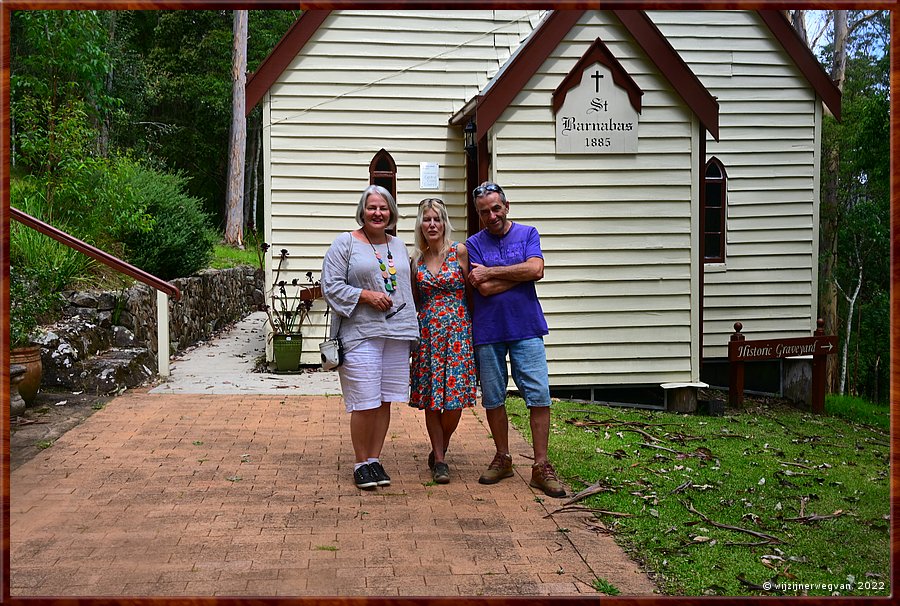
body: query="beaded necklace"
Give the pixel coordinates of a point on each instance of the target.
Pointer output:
(388, 272)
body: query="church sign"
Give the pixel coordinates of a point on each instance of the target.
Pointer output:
(597, 107)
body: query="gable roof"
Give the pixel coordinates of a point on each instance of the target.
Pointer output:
(528, 58)
(597, 52)
(804, 59)
(310, 21)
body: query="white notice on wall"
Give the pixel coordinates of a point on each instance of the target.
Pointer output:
(428, 175)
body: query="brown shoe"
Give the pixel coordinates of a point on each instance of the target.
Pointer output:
(500, 467)
(544, 477)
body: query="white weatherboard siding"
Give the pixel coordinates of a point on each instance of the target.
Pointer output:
(770, 125)
(615, 228)
(369, 80)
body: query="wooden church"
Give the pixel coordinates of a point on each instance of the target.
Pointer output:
(669, 159)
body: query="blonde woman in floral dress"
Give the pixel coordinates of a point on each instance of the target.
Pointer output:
(443, 372)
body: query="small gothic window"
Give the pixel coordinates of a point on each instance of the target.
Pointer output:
(383, 172)
(714, 212)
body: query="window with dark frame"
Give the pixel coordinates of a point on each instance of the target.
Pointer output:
(383, 172)
(715, 181)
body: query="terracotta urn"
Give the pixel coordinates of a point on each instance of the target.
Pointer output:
(16, 403)
(30, 358)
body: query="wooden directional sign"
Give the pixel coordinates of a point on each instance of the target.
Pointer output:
(818, 346)
(745, 351)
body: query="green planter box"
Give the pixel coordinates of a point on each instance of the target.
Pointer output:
(287, 349)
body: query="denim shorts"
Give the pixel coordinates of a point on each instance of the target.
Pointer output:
(529, 370)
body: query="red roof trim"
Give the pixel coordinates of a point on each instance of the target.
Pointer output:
(598, 53)
(282, 55)
(673, 67)
(525, 63)
(804, 59)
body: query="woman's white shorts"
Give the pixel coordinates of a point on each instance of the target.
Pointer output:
(375, 371)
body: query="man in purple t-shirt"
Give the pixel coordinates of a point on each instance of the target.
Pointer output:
(507, 319)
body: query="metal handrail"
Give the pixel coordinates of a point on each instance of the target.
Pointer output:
(164, 289)
(95, 253)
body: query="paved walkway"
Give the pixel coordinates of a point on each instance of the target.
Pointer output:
(240, 494)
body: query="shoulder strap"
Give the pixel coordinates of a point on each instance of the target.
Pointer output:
(336, 326)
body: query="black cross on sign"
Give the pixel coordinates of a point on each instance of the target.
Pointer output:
(596, 76)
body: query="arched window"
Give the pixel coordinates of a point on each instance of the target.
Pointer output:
(383, 172)
(715, 194)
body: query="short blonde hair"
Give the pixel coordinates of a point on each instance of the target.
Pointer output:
(437, 205)
(392, 205)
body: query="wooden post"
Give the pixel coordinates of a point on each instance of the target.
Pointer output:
(162, 333)
(818, 373)
(736, 373)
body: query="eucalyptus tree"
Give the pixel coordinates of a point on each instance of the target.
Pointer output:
(854, 219)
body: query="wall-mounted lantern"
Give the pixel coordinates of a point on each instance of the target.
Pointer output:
(471, 145)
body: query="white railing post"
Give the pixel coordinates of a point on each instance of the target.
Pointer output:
(162, 332)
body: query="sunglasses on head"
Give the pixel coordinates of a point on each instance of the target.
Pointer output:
(482, 190)
(431, 201)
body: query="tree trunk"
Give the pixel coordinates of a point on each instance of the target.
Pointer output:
(234, 197)
(845, 346)
(256, 164)
(253, 145)
(797, 19)
(830, 211)
(103, 138)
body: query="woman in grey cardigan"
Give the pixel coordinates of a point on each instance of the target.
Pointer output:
(366, 281)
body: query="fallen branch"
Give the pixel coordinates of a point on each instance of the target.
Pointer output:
(593, 489)
(816, 518)
(760, 535)
(795, 464)
(610, 421)
(681, 487)
(660, 448)
(643, 433)
(682, 437)
(751, 585)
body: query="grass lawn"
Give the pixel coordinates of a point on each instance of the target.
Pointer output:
(858, 410)
(226, 256)
(767, 501)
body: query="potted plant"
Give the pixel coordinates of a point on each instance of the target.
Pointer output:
(287, 308)
(27, 305)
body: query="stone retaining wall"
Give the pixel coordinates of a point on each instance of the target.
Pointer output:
(210, 301)
(107, 339)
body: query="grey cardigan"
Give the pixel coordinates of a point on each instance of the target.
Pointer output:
(342, 288)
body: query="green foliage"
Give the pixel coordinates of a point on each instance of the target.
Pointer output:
(604, 586)
(86, 85)
(764, 470)
(180, 239)
(30, 303)
(60, 57)
(54, 265)
(862, 218)
(178, 89)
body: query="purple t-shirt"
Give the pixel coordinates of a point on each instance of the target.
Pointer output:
(515, 314)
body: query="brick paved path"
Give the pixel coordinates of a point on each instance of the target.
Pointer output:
(252, 495)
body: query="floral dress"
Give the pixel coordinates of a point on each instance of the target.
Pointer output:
(443, 371)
